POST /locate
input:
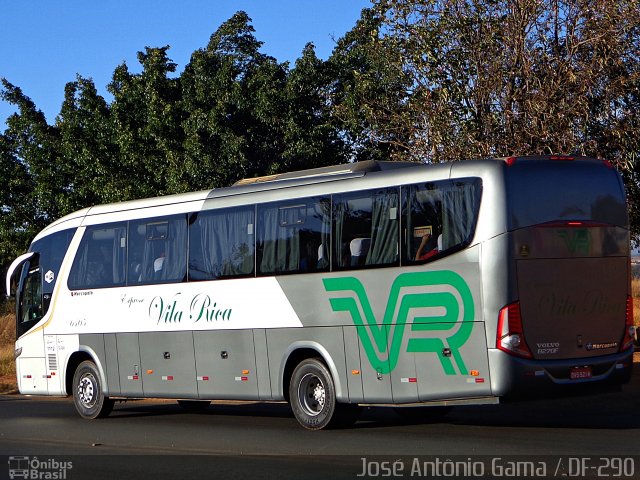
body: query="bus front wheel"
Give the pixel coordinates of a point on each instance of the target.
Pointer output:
(312, 394)
(88, 394)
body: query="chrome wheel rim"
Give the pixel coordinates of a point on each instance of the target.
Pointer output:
(87, 390)
(311, 394)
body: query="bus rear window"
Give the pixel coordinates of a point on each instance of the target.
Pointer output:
(541, 192)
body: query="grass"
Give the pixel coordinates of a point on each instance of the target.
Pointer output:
(7, 339)
(635, 292)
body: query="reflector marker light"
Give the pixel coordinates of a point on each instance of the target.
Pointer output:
(203, 379)
(409, 380)
(355, 372)
(167, 378)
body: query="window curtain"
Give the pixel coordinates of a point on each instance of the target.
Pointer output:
(409, 206)
(384, 229)
(339, 244)
(226, 245)
(165, 259)
(119, 253)
(459, 206)
(174, 267)
(79, 275)
(323, 210)
(280, 240)
(154, 250)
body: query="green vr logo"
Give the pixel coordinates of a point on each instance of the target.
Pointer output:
(450, 308)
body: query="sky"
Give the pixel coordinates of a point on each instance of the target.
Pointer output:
(45, 43)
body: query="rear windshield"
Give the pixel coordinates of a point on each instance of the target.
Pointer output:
(547, 191)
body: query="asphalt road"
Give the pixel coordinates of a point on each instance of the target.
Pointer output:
(157, 439)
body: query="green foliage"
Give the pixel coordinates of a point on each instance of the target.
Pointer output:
(370, 91)
(440, 80)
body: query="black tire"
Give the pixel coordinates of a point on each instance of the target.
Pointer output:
(194, 405)
(312, 395)
(88, 394)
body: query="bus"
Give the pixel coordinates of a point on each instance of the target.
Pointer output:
(372, 283)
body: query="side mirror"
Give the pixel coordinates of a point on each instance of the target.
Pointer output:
(12, 269)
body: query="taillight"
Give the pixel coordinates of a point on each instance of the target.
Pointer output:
(510, 336)
(629, 329)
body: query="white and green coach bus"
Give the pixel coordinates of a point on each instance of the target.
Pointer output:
(363, 284)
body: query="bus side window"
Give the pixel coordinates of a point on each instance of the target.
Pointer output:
(366, 229)
(439, 217)
(100, 259)
(221, 244)
(157, 250)
(293, 236)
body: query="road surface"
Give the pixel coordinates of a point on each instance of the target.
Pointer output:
(157, 439)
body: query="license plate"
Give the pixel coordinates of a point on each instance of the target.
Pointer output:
(580, 373)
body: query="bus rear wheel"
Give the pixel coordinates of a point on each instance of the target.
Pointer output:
(312, 396)
(88, 394)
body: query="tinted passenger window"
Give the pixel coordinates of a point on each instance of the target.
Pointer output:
(51, 251)
(101, 258)
(158, 250)
(439, 217)
(365, 226)
(294, 236)
(221, 244)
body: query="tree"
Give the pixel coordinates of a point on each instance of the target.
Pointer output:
(480, 78)
(369, 91)
(87, 145)
(146, 118)
(311, 136)
(33, 149)
(234, 99)
(16, 205)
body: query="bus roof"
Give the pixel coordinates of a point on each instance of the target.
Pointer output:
(366, 166)
(293, 179)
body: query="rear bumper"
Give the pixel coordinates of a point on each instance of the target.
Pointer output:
(515, 376)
